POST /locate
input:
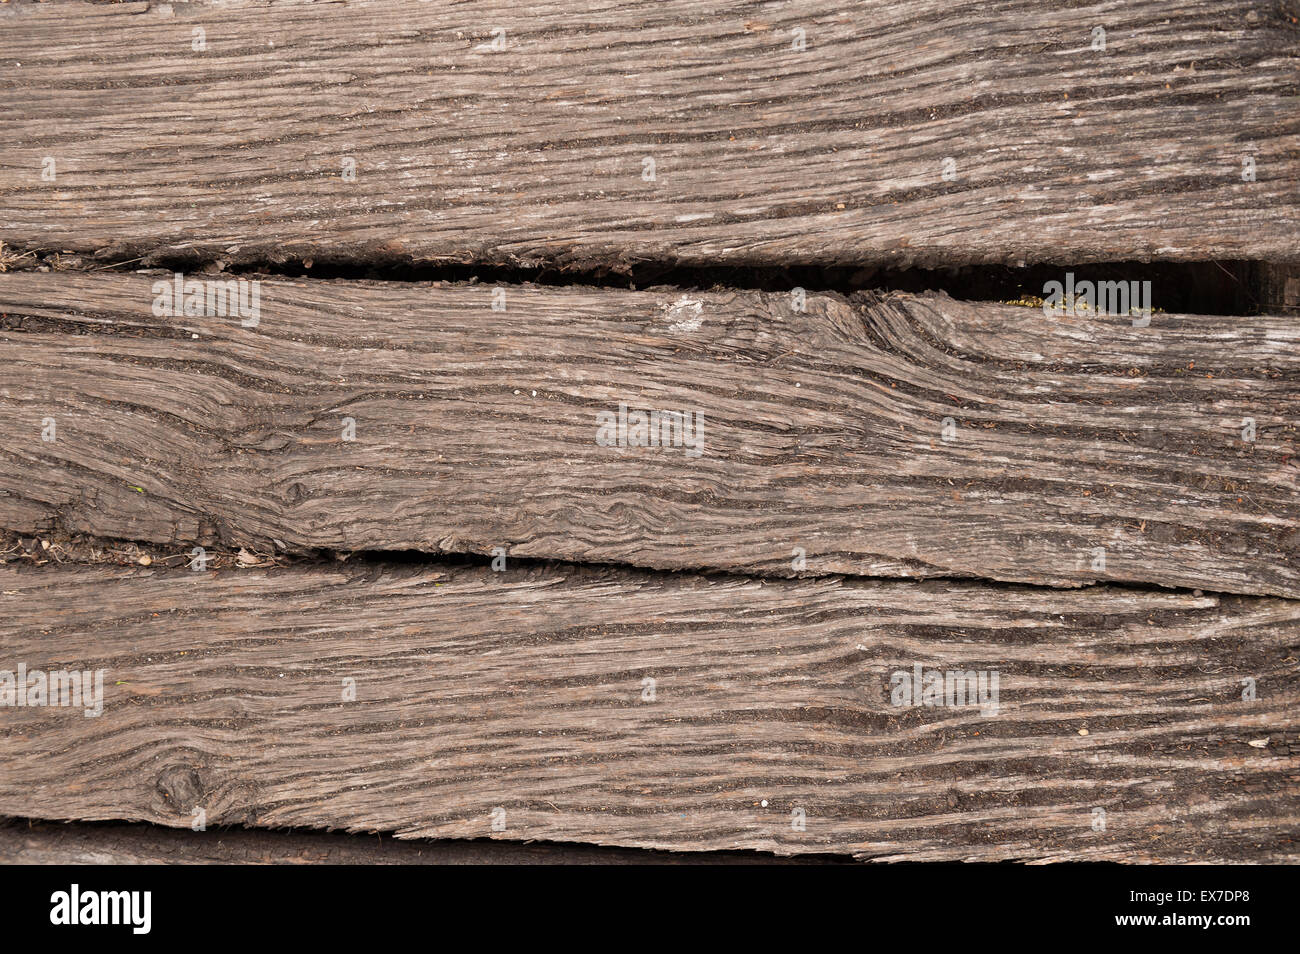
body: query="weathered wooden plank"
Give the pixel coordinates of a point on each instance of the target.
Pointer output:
(1079, 449)
(1279, 288)
(24, 842)
(1179, 140)
(526, 691)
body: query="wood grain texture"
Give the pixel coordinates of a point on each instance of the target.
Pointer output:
(822, 430)
(524, 690)
(763, 154)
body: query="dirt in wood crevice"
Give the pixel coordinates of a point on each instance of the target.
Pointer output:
(1204, 288)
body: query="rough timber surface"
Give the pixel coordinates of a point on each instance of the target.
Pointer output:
(763, 154)
(520, 697)
(1084, 448)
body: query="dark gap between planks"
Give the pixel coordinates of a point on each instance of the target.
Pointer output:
(1196, 288)
(81, 550)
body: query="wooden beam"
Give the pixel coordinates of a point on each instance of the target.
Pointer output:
(893, 435)
(662, 711)
(605, 133)
(1278, 287)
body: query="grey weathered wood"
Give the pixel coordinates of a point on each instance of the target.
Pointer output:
(763, 154)
(823, 430)
(525, 691)
(1278, 286)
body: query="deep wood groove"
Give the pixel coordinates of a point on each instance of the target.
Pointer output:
(34, 842)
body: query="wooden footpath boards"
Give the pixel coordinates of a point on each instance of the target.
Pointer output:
(562, 557)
